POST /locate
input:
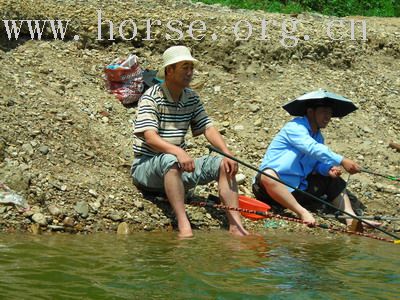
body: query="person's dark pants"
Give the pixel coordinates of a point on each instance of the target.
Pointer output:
(318, 185)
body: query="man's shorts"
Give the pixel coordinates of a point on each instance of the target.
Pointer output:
(148, 171)
(318, 185)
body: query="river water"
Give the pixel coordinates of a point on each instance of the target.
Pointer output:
(213, 265)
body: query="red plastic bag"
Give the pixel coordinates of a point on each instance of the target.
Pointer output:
(125, 80)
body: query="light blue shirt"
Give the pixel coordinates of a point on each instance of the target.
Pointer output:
(296, 151)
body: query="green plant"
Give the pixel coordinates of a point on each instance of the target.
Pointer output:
(383, 8)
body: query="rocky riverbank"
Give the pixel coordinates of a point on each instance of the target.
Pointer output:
(65, 142)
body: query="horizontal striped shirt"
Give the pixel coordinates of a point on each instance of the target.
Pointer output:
(171, 120)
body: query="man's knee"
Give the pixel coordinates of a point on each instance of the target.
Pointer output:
(174, 169)
(168, 162)
(221, 170)
(211, 168)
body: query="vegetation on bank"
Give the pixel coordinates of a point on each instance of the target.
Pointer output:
(340, 8)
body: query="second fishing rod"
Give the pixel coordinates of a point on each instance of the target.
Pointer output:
(213, 149)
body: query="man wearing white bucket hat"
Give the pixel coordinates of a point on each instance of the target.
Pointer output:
(165, 113)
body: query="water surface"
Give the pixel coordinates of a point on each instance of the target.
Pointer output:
(213, 265)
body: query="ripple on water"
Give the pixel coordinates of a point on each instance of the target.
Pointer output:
(213, 265)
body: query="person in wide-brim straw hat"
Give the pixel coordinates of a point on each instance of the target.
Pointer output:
(297, 156)
(161, 165)
(174, 55)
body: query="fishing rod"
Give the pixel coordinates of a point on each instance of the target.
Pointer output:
(212, 148)
(394, 178)
(270, 215)
(376, 218)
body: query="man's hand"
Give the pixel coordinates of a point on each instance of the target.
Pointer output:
(335, 172)
(230, 166)
(350, 166)
(185, 161)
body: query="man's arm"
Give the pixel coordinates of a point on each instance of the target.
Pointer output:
(216, 139)
(156, 142)
(299, 138)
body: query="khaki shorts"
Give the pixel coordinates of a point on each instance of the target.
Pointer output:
(148, 171)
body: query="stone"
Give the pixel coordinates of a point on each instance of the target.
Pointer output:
(68, 222)
(54, 210)
(95, 205)
(254, 108)
(240, 178)
(44, 150)
(123, 228)
(238, 128)
(258, 122)
(28, 149)
(82, 208)
(115, 216)
(14, 177)
(93, 193)
(138, 204)
(197, 216)
(55, 227)
(39, 218)
(367, 129)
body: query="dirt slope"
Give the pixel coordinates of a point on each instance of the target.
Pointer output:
(65, 143)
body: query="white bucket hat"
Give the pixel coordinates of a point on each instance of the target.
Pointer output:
(174, 55)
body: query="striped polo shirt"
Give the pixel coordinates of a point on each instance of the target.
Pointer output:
(171, 120)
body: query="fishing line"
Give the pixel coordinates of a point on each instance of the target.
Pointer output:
(211, 148)
(270, 215)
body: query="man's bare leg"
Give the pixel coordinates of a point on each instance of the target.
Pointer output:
(227, 188)
(281, 194)
(176, 195)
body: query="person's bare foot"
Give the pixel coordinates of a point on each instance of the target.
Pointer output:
(184, 234)
(307, 217)
(355, 226)
(349, 223)
(373, 223)
(185, 230)
(238, 231)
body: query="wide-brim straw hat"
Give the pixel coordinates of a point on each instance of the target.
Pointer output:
(174, 55)
(340, 105)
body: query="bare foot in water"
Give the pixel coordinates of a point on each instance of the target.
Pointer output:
(359, 226)
(363, 224)
(238, 231)
(185, 234)
(373, 223)
(185, 230)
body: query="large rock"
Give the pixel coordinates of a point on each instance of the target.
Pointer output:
(15, 178)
